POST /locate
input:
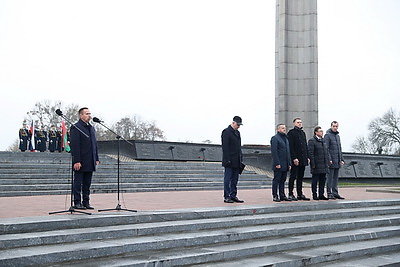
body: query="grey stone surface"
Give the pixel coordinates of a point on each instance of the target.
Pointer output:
(187, 237)
(20, 176)
(296, 63)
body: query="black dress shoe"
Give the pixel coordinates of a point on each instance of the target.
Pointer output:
(276, 199)
(228, 200)
(88, 206)
(315, 198)
(323, 198)
(285, 199)
(79, 207)
(303, 197)
(235, 199)
(331, 197)
(338, 197)
(292, 198)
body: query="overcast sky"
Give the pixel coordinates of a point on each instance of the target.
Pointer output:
(190, 66)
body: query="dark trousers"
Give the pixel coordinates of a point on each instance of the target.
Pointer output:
(82, 182)
(278, 183)
(320, 180)
(231, 177)
(296, 173)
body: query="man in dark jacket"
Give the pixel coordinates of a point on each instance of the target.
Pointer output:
(299, 154)
(231, 159)
(332, 141)
(319, 163)
(85, 158)
(281, 163)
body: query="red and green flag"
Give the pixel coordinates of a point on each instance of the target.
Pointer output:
(64, 137)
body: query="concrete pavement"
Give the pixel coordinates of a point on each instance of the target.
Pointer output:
(27, 206)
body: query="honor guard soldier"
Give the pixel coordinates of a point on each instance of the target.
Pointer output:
(42, 139)
(23, 138)
(52, 138)
(59, 140)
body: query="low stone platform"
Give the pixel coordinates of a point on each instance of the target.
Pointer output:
(302, 233)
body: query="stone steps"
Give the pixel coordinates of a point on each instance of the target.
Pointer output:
(256, 235)
(48, 173)
(317, 256)
(388, 259)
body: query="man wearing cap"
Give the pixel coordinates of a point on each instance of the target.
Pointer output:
(231, 159)
(52, 138)
(23, 138)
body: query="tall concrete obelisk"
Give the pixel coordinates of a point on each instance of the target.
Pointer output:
(296, 63)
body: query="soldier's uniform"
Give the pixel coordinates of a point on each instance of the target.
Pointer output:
(42, 139)
(59, 141)
(52, 139)
(23, 138)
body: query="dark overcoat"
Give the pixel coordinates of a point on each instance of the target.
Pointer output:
(298, 145)
(318, 154)
(332, 141)
(84, 149)
(231, 148)
(23, 139)
(280, 151)
(52, 140)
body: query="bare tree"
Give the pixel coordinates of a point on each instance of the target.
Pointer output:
(14, 146)
(44, 113)
(135, 128)
(384, 135)
(364, 145)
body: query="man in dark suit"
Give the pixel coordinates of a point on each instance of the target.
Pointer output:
(299, 154)
(85, 158)
(231, 159)
(281, 162)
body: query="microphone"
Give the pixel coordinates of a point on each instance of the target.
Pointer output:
(59, 112)
(95, 119)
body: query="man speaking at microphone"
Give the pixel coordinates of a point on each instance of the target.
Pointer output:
(85, 158)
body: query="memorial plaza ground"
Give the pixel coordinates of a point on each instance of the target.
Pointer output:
(27, 206)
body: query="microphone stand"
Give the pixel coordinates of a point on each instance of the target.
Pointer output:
(71, 208)
(118, 207)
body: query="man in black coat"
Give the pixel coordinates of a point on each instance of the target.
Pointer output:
(231, 159)
(281, 163)
(299, 154)
(319, 162)
(85, 158)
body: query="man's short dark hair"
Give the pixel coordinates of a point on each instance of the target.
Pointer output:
(280, 124)
(295, 119)
(316, 129)
(334, 122)
(81, 110)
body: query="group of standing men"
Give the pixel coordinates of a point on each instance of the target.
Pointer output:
(290, 152)
(40, 139)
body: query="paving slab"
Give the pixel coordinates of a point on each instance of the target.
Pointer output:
(27, 206)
